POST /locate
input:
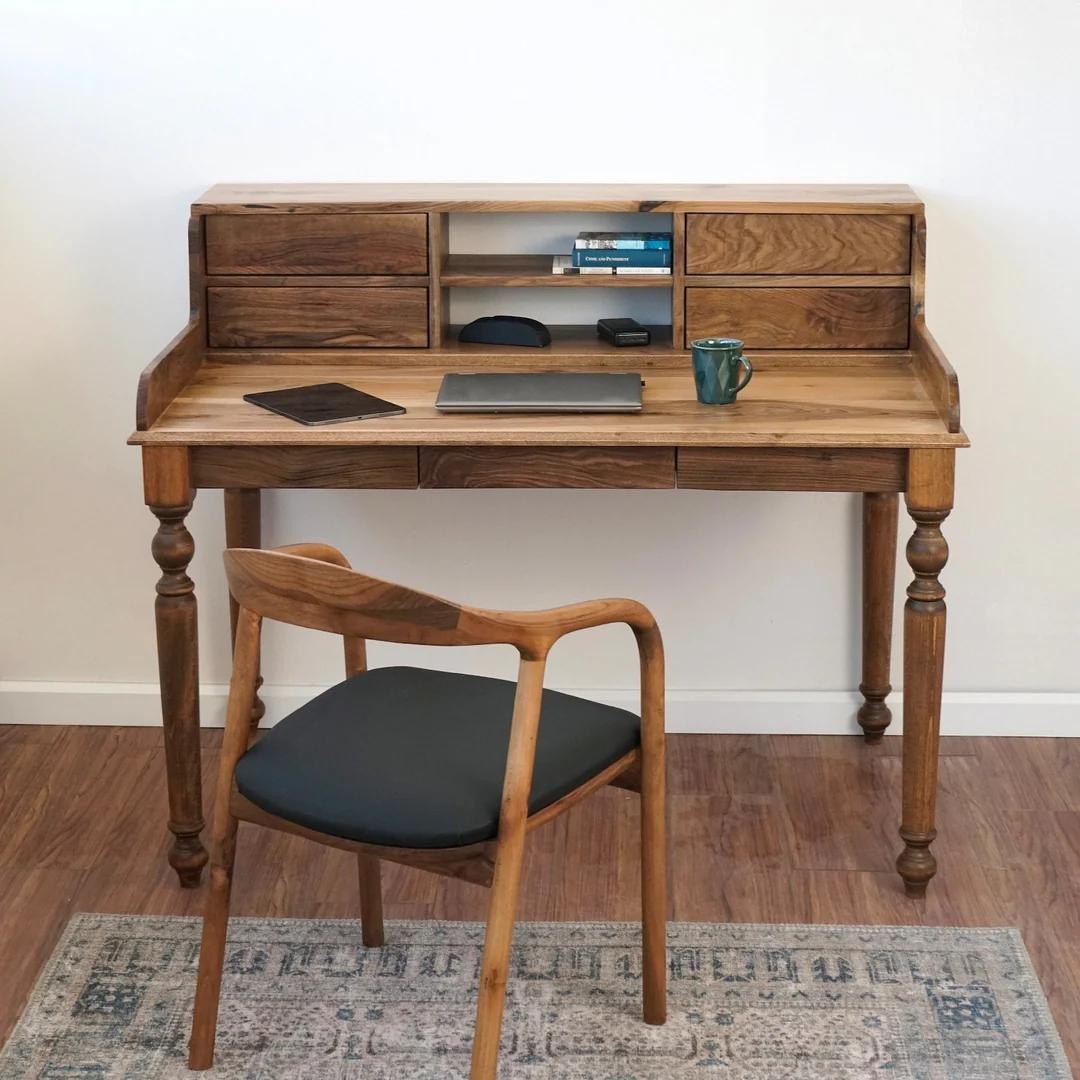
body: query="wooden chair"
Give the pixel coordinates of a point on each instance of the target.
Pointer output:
(497, 764)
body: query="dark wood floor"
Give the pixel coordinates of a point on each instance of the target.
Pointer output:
(764, 828)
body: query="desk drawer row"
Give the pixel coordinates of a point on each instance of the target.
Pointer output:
(369, 280)
(635, 467)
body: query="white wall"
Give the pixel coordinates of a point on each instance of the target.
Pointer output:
(115, 115)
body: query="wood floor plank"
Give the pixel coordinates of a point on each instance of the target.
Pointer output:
(763, 829)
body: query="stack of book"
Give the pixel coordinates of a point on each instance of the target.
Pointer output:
(617, 253)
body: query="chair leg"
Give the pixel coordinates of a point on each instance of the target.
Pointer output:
(496, 963)
(212, 951)
(371, 918)
(653, 885)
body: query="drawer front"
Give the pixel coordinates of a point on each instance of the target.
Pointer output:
(303, 466)
(798, 244)
(797, 318)
(722, 468)
(242, 317)
(316, 244)
(547, 467)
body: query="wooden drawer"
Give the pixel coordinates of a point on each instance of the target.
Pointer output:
(801, 318)
(316, 244)
(242, 317)
(724, 468)
(798, 244)
(303, 466)
(547, 467)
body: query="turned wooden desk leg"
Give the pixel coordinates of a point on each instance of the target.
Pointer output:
(243, 528)
(880, 511)
(168, 493)
(929, 499)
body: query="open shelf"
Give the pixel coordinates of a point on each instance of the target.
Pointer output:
(569, 341)
(488, 271)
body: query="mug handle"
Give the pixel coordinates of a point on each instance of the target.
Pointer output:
(749, 373)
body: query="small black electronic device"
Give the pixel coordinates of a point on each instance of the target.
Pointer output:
(506, 330)
(623, 331)
(324, 403)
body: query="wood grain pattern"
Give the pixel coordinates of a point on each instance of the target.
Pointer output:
(500, 198)
(879, 402)
(929, 500)
(797, 281)
(321, 596)
(879, 521)
(936, 373)
(439, 295)
(738, 469)
(551, 467)
(168, 493)
(678, 279)
(169, 372)
(808, 318)
(82, 833)
(798, 244)
(243, 528)
(176, 364)
(474, 863)
(317, 244)
(312, 585)
(254, 317)
(303, 467)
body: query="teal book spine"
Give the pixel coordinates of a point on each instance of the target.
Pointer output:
(616, 257)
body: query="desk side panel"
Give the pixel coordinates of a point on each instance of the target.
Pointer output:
(936, 374)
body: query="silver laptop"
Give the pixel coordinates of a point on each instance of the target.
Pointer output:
(541, 391)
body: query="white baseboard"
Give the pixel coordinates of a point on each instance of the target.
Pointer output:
(774, 712)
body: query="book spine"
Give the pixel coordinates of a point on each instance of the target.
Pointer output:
(655, 271)
(561, 265)
(622, 245)
(644, 257)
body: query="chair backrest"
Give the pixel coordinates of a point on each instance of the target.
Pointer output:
(322, 596)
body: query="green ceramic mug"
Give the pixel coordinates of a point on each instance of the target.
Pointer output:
(717, 363)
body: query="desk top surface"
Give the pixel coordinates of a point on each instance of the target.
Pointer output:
(660, 198)
(835, 400)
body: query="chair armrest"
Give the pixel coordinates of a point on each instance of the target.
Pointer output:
(322, 552)
(555, 623)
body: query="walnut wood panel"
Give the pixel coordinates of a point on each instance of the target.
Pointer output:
(174, 366)
(317, 244)
(876, 402)
(753, 469)
(936, 373)
(798, 244)
(306, 590)
(479, 198)
(551, 467)
(299, 318)
(322, 281)
(812, 318)
(303, 467)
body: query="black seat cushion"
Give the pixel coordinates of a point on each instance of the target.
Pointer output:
(407, 757)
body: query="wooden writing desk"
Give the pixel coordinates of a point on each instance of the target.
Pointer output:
(306, 283)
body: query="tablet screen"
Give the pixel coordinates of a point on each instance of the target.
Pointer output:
(324, 403)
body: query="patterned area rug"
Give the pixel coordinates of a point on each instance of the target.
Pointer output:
(304, 999)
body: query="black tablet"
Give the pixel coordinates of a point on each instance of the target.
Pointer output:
(324, 403)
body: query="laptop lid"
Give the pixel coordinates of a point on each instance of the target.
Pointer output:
(540, 391)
